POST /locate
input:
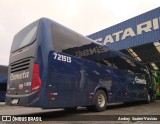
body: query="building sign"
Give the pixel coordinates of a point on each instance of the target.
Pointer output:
(136, 31)
(144, 27)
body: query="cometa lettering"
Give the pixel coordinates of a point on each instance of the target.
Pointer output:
(141, 28)
(19, 76)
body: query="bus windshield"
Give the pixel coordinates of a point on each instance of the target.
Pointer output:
(25, 37)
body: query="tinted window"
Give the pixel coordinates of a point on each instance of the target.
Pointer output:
(119, 61)
(67, 41)
(25, 37)
(114, 60)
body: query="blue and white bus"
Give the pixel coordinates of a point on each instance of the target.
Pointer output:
(52, 66)
(3, 82)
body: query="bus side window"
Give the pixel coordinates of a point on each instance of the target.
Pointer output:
(106, 58)
(90, 52)
(118, 61)
(66, 44)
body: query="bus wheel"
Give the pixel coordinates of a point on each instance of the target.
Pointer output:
(148, 99)
(101, 101)
(70, 109)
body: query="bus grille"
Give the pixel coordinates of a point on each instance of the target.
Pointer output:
(20, 65)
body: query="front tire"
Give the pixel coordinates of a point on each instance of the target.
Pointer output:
(101, 102)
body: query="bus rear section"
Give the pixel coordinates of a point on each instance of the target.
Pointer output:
(24, 81)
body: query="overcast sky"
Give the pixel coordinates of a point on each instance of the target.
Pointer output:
(83, 16)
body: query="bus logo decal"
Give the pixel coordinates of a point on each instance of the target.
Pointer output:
(140, 81)
(22, 75)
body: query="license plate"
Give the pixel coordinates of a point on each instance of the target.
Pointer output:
(15, 101)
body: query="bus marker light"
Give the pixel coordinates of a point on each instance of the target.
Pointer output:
(110, 93)
(90, 97)
(55, 94)
(51, 94)
(91, 93)
(26, 91)
(53, 99)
